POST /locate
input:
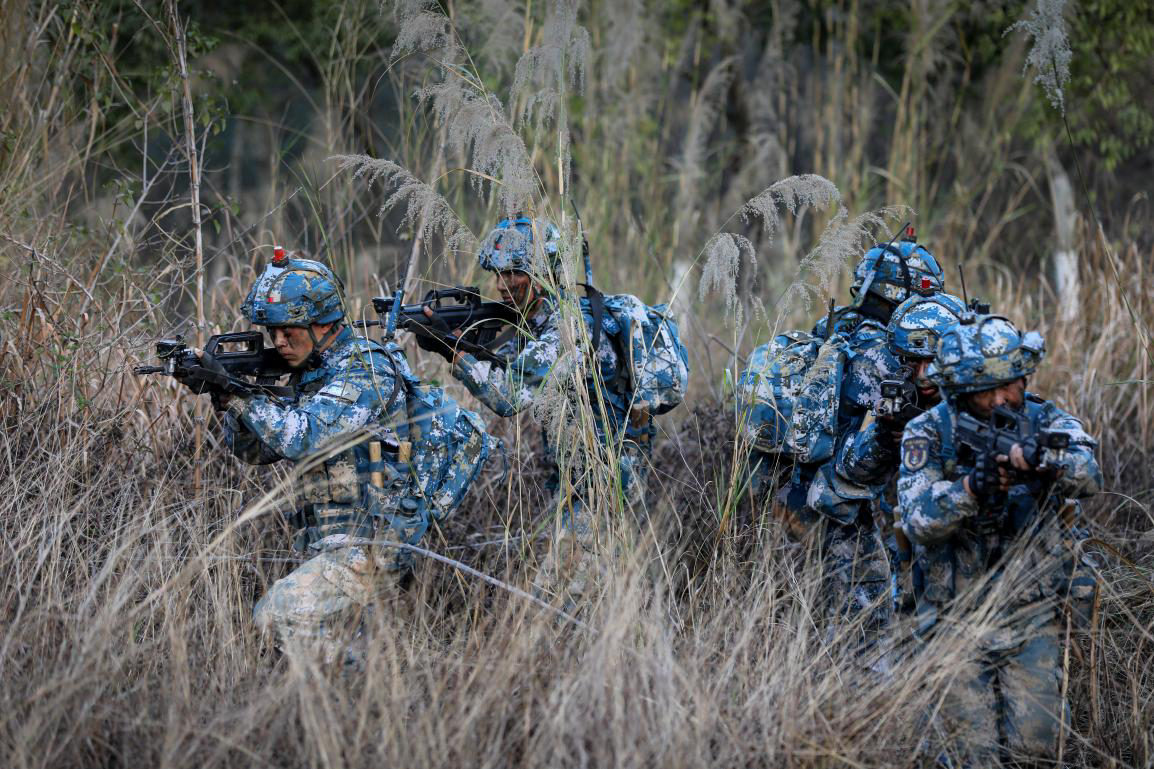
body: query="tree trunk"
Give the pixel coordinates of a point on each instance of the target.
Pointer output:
(1064, 262)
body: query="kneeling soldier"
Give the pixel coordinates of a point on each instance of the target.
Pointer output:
(983, 477)
(869, 458)
(518, 252)
(347, 393)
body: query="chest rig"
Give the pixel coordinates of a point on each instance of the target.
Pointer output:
(362, 484)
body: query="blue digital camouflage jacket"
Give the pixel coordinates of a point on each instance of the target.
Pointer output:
(537, 357)
(355, 388)
(960, 538)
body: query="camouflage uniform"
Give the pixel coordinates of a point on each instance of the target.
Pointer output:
(341, 399)
(538, 364)
(1008, 701)
(534, 359)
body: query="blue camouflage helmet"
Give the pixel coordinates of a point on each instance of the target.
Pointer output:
(294, 291)
(983, 352)
(511, 245)
(919, 322)
(894, 271)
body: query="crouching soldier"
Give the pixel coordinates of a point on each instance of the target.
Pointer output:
(983, 477)
(868, 460)
(337, 424)
(520, 252)
(839, 392)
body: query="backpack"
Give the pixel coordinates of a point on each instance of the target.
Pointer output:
(653, 365)
(448, 445)
(767, 389)
(789, 393)
(813, 430)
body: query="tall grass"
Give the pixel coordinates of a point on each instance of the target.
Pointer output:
(127, 585)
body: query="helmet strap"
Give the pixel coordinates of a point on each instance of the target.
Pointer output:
(314, 359)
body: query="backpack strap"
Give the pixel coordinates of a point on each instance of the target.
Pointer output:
(949, 450)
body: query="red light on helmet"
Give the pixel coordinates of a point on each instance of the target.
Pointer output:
(278, 256)
(909, 236)
(927, 284)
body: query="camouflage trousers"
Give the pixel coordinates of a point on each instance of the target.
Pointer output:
(1007, 704)
(319, 608)
(572, 569)
(855, 581)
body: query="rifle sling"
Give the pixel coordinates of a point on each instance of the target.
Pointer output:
(597, 310)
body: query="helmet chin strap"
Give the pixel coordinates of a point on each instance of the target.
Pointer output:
(314, 359)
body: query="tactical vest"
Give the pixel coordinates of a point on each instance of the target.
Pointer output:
(334, 507)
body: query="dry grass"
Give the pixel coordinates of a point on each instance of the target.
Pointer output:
(127, 582)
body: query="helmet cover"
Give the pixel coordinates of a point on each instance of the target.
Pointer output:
(895, 271)
(919, 322)
(984, 352)
(294, 291)
(513, 245)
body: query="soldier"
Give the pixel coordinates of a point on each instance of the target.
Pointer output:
(868, 459)
(840, 389)
(520, 252)
(347, 392)
(884, 277)
(987, 526)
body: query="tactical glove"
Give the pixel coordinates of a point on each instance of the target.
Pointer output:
(435, 336)
(199, 379)
(984, 477)
(890, 432)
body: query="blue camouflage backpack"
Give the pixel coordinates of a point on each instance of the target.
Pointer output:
(654, 364)
(443, 449)
(768, 388)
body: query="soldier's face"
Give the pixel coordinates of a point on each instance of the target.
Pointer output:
(1012, 394)
(294, 344)
(927, 390)
(515, 288)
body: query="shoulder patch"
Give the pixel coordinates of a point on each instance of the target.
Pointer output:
(915, 452)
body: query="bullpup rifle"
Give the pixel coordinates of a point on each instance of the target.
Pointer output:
(250, 367)
(460, 307)
(1005, 427)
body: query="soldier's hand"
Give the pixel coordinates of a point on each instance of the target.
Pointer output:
(989, 475)
(1017, 458)
(436, 336)
(200, 379)
(892, 428)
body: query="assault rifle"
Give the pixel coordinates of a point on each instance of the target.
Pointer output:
(1002, 430)
(251, 368)
(460, 307)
